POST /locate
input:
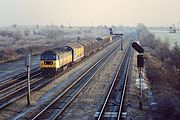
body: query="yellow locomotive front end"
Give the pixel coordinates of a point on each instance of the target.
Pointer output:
(49, 63)
(55, 61)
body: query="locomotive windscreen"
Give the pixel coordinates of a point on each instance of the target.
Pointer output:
(48, 56)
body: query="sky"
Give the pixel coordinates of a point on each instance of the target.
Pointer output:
(90, 12)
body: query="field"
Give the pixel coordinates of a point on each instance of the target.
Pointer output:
(165, 35)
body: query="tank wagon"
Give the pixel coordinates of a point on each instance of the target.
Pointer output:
(58, 59)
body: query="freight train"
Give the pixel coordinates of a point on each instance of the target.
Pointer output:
(58, 59)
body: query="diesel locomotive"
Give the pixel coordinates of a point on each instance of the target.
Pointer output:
(58, 59)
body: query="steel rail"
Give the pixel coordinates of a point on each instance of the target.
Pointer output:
(21, 92)
(111, 87)
(124, 89)
(16, 85)
(40, 114)
(12, 80)
(115, 80)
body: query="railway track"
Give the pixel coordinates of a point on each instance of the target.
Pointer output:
(15, 87)
(11, 86)
(16, 77)
(5, 86)
(18, 89)
(111, 107)
(54, 109)
(16, 92)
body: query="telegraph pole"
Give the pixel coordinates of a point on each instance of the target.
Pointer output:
(121, 41)
(28, 64)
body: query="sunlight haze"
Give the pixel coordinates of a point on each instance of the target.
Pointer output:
(90, 12)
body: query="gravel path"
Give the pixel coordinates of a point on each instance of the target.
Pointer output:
(19, 109)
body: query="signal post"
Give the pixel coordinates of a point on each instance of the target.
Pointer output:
(140, 66)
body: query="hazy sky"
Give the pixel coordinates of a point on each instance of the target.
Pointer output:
(83, 12)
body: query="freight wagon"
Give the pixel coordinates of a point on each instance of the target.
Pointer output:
(58, 59)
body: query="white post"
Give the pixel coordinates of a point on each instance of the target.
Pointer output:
(28, 84)
(28, 63)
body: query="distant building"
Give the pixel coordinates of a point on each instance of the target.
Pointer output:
(172, 29)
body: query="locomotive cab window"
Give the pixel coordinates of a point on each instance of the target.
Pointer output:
(48, 57)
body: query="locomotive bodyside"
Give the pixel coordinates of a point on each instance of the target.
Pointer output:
(54, 60)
